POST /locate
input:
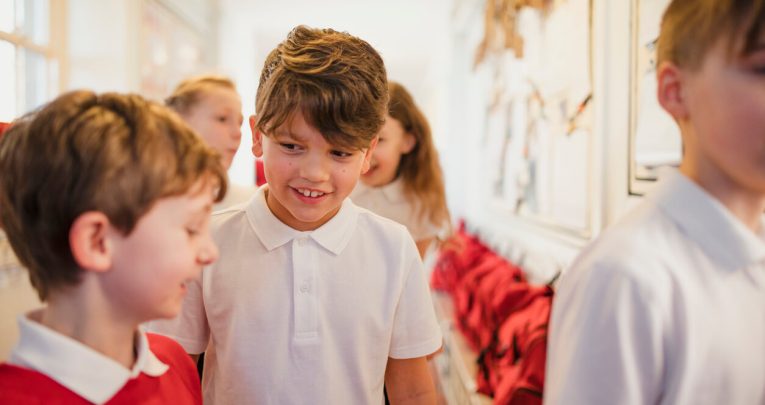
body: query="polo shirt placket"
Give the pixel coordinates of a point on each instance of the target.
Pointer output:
(304, 289)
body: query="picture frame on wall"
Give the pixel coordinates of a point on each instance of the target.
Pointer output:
(654, 139)
(546, 155)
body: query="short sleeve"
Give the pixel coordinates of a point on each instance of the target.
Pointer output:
(606, 337)
(415, 329)
(190, 327)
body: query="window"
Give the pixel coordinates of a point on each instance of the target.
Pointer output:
(31, 40)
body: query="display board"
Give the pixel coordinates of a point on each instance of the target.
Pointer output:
(654, 136)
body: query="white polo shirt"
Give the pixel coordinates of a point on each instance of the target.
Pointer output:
(666, 307)
(391, 202)
(77, 367)
(306, 317)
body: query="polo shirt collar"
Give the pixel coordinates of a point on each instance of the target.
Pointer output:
(273, 233)
(719, 233)
(76, 366)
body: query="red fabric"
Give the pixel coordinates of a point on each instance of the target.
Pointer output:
(458, 256)
(3, 127)
(179, 385)
(472, 298)
(260, 173)
(513, 366)
(502, 317)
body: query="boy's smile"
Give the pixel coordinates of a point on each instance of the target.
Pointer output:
(308, 178)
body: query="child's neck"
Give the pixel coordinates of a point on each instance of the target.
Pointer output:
(78, 317)
(744, 204)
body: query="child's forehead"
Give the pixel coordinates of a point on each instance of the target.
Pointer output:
(298, 128)
(301, 126)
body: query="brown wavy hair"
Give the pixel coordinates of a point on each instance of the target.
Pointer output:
(419, 169)
(336, 80)
(689, 28)
(112, 153)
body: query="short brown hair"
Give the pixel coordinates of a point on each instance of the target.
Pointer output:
(188, 92)
(690, 28)
(116, 154)
(419, 169)
(336, 80)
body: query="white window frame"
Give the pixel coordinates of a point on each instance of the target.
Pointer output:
(54, 51)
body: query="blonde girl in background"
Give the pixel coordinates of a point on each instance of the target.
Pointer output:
(405, 182)
(211, 105)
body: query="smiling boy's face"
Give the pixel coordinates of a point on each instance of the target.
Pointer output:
(308, 178)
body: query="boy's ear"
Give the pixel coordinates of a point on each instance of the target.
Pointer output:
(88, 240)
(409, 143)
(257, 138)
(368, 155)
(670, 92)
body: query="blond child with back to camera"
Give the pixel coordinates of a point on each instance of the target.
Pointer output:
(314, 300)
(405, 181)
(106, 201)
(211, 105)
(668, 305)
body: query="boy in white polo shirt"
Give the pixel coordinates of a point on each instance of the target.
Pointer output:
(314, 300)
(668, 306)
(106, 201)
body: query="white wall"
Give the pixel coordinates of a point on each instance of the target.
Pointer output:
(102, 40)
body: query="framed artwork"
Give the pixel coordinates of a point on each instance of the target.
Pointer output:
(541, 136)
(654, 138)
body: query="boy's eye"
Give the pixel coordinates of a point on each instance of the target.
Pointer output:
(342, 154)
(288, 146)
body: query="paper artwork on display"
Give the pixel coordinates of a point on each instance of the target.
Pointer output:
(544, 156)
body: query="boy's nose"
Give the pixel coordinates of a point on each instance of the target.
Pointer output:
(314, 169)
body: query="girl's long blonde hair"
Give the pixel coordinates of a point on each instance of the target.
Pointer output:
(419, 169)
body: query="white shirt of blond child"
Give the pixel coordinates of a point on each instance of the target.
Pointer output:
(667, 307)
(305, 317)
(391, 202)
(235, 195)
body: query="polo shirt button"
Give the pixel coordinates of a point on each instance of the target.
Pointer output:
(302, 241)
(305, 287)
